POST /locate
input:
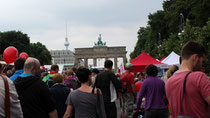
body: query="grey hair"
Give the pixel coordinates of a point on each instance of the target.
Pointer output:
(30, 64)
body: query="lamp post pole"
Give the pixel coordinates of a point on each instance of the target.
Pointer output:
(159, 39)
(181, 26)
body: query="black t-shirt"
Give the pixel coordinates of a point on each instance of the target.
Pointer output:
(35, 97)
(103, 83)
(59, 94)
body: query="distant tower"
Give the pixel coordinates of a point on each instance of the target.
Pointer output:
(66, 44)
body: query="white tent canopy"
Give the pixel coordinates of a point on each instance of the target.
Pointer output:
(172, 59)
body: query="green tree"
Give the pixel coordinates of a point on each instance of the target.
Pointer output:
(157, 22)
(199, 34)
(143, 34)
(40, 52)
(160, 36)
(17, 39)
(163, 27)
(21, 41)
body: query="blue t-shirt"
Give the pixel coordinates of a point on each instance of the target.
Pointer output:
(16, 74)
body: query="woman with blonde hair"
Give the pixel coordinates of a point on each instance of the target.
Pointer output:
(170, 72)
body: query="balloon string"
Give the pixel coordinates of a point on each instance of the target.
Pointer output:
(4, 68)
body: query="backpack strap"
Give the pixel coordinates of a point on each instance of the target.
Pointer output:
(49, 78)
(7, 99)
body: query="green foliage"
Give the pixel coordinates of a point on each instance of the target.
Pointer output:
(155, 21)
(160, 37)
(21, 41)
(1, 57)
(40, 52)
(199, 34)
(16, 39)
(140, 45)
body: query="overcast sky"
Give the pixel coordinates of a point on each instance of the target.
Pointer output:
(44, 20)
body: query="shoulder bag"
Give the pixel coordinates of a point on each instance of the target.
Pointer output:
(184, 90)
(98, 103)
(7, 99)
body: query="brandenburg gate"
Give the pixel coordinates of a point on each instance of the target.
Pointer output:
(100, 50)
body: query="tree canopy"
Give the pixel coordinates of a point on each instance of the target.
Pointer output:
(14, 38)
(160, 36)
(40, 52)
(21, 41)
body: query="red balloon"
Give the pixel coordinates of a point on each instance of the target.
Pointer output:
(23, 55)
(138, 85)
(10, 54)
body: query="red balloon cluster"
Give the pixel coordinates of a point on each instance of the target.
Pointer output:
(23, 55)
(10, 54)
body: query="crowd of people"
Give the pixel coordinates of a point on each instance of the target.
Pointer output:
(82, 93)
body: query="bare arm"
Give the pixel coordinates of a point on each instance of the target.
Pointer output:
(53, 114)
(68, 112)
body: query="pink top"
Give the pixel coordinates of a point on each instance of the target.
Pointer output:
(197, 88)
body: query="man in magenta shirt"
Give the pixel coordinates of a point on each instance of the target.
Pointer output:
(197, 92)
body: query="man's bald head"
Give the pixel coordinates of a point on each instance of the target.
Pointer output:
(32, 66)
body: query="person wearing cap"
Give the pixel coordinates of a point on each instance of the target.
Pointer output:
(128, 94)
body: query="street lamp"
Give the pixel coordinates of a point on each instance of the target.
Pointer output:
(159, 39)
(181, 26)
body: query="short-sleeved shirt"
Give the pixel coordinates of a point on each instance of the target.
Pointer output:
(85, 106)
(16, 74)
(130, 80)
(197, 88)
